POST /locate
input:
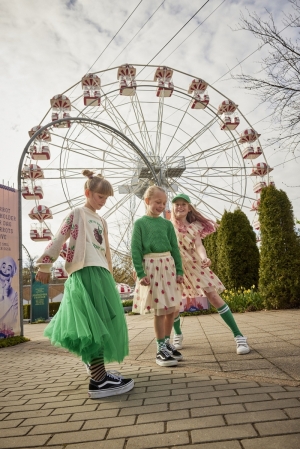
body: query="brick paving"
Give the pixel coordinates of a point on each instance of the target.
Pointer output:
(214, 399)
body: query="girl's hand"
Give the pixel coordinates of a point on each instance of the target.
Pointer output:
(179, 279)
(145, 281)
(206, 263)
(44, 278)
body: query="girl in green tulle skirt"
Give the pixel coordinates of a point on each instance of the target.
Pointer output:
(91, 317)
(90, 321)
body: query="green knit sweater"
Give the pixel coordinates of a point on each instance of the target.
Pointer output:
(153, 235)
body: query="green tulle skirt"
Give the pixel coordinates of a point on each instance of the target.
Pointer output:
(90, 321)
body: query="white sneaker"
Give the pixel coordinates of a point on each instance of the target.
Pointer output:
(241, 345)
(177, 341)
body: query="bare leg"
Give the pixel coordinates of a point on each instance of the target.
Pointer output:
(159, 326)
(215, 299)
(169, 320)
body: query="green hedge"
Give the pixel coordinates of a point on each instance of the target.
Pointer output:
(26, 312)
(54, 306)
(12, 341)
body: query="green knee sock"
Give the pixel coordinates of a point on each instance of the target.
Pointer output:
(227, 316)
(176, 325)
(160, 343)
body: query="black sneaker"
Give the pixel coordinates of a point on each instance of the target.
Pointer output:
(173, 351)
(164, 358)
(111, 385)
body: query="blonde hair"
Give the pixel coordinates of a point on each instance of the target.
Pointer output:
(97, 183)
(150, 192)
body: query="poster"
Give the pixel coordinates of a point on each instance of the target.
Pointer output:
(9, 263)
(39, 300)
(194, 304)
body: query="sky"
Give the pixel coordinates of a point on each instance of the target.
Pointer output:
(46, 48)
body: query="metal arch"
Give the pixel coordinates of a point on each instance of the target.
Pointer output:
(25, 151)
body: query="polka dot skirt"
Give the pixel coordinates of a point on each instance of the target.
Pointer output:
(163, 295)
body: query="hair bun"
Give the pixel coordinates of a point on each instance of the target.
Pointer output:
(88, 173)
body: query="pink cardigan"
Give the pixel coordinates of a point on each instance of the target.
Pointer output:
(73, 228)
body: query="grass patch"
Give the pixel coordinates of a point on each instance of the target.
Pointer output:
(12, 341)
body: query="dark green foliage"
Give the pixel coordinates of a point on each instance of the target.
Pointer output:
(210, 244)
(279, 281)
(26, 311)
(54, 306)
(12, 341)
(127, 303)
(238, 255)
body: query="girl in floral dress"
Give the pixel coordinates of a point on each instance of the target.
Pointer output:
(191, 227)
(90, 321)
(157, 262)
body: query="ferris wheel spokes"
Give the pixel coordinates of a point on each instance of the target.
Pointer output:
(140, 120)
(195, 137)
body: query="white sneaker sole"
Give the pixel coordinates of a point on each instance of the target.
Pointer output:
(98, 394)
(178, 357)
(178, 345)
(242, 351)
(167, 362)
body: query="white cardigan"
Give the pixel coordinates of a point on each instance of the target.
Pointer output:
(73, 228)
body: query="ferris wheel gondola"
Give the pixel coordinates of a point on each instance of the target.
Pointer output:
(172, 121)
(91, 85)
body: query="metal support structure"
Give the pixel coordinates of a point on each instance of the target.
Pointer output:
(159, 126)
(31, 271)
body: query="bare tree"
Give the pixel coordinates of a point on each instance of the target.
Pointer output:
(28, 267)
(278, 81)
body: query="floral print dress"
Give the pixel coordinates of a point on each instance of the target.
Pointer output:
(196, 280)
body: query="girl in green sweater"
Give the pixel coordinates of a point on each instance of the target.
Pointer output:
(157, 262)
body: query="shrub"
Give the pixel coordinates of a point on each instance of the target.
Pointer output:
(53, 308)
(244, 300)
(211, 246)
(26, 312)
(238, 255)
(279, 281)
(12, 341)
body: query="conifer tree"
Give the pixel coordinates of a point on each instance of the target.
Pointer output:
(211, 247)
(238, 255)
(279, 281)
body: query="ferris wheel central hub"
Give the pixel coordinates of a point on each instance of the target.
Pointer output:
(166, 170)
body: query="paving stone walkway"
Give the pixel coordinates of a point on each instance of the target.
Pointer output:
(214, 399)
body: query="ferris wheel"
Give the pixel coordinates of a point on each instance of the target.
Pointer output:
(140, 125)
